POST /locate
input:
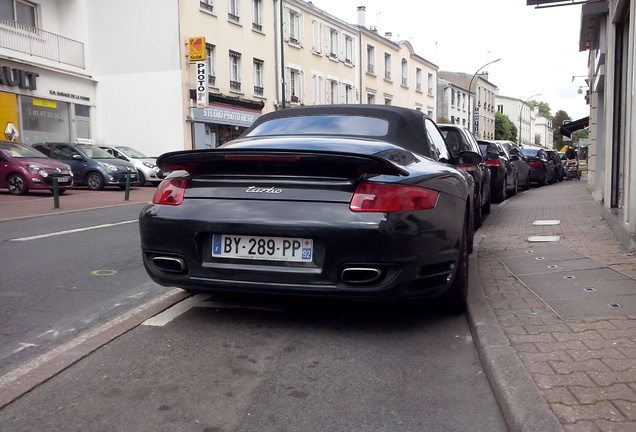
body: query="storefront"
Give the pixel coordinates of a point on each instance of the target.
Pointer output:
(38, 105)
(219, 122)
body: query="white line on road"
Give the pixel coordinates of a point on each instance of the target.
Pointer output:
(180, 308)
(41, 236)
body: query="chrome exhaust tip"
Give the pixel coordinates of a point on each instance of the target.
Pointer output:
(168, 264)
(361, 275)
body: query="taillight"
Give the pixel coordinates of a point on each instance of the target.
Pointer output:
(467, 168)
(387, 197)
(535, 163)
(170, 192)
(492, 162)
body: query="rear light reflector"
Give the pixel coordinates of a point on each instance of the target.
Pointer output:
(170, 192)
(388, 197)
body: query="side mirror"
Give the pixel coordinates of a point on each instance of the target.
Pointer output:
(469, 158)
(77, 157)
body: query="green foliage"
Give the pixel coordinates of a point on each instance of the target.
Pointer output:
(443, 120)
(505, 129)
(557, 122)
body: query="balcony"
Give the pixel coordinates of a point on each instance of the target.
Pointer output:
(39, 43)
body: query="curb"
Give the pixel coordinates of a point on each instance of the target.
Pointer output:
(523, 406)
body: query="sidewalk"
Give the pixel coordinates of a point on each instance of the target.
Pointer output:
(41, 203)
(565, 313)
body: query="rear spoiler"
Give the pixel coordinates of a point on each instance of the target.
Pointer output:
(278, 162)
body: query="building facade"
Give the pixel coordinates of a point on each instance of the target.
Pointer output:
(521, 114)
(480, 115)
(452, 103)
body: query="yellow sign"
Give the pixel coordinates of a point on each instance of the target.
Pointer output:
(196, 49)
(44, 103)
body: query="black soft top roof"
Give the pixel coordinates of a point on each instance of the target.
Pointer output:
(406, 126)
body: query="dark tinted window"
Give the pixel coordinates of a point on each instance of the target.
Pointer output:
(323, 125)
(438, 151)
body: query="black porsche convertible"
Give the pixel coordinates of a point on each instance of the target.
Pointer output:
(344, 201)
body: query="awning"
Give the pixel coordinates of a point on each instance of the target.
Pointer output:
(569, 128)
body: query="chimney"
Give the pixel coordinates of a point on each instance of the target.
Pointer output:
(362, 12)
(388, 35)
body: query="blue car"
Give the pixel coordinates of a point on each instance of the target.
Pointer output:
(91, 166)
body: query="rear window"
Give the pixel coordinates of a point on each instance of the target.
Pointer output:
(323, 125)
(529, 152)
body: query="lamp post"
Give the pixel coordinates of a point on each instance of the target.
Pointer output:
(521, 111)
(470, 91)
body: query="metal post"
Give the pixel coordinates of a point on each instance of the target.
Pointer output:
(56, 192)
(127, 193)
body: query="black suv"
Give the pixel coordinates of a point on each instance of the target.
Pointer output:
(459, 139)
(91, 165)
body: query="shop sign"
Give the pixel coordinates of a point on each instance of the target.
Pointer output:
(229, 116)
(69, 95)
(202, 85)
(476, 122)
(196, 49)
(14, 77)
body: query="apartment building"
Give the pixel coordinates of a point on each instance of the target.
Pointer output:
(452, 103)
(521, 114)
(46, 90)
(481, 101)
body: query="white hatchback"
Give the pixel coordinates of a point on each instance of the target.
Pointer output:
(147, 170)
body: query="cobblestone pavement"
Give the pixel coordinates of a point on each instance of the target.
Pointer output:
(584, 367)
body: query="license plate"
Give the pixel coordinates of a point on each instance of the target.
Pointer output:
(262, 248)
(64, 179)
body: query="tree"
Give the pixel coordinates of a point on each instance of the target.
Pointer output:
(505, 129)
(443, 120)
(544, 108)
(560, 117)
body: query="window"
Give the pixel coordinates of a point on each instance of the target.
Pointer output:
(257, 15)
(438, 149)
(258, 77)
(294, 85)
(371, 59)
(418, 80)
(210, 54)
(233, 11)
(315, 34)
(294, 27)
(348, 94)
(332, 91)
(405, 73)
(387, 66)
(349, 51)
(19, 11)
(235, 71)
(333, 43)
(430, 84)
(370, 98)
(207, 5)
(453, 97)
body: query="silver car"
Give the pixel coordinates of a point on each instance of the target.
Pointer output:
(147, 170)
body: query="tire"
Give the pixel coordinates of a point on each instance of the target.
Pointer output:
(477, 217)
(513, 192)
(455, 299)
(500, 192)
(94, 181)
(17, 185)
(141, 178)
(485, 209)
(526, 186)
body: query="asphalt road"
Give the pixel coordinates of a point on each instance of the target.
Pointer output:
(213, 365)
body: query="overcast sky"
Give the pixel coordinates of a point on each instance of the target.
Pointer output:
(538, 48)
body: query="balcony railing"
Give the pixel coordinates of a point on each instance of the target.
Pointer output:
(40, 43)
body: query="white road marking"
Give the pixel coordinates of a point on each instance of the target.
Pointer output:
(180, 308)
(36, 237)
(24, 346)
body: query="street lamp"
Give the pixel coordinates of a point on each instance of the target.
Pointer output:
(470, 91)
(520, 112)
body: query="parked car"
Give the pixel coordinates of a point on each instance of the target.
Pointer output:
(91, 165)
(460, 139)
(147, 171)
(348, 201)
(542, 170)
(503, 174)
(23, 168)
(519, 161)
(559, 166)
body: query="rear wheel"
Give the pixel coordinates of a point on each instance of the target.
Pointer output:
(454, 300)
(499, 194)
(141, 178)
(17, 185)
(94, 181)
